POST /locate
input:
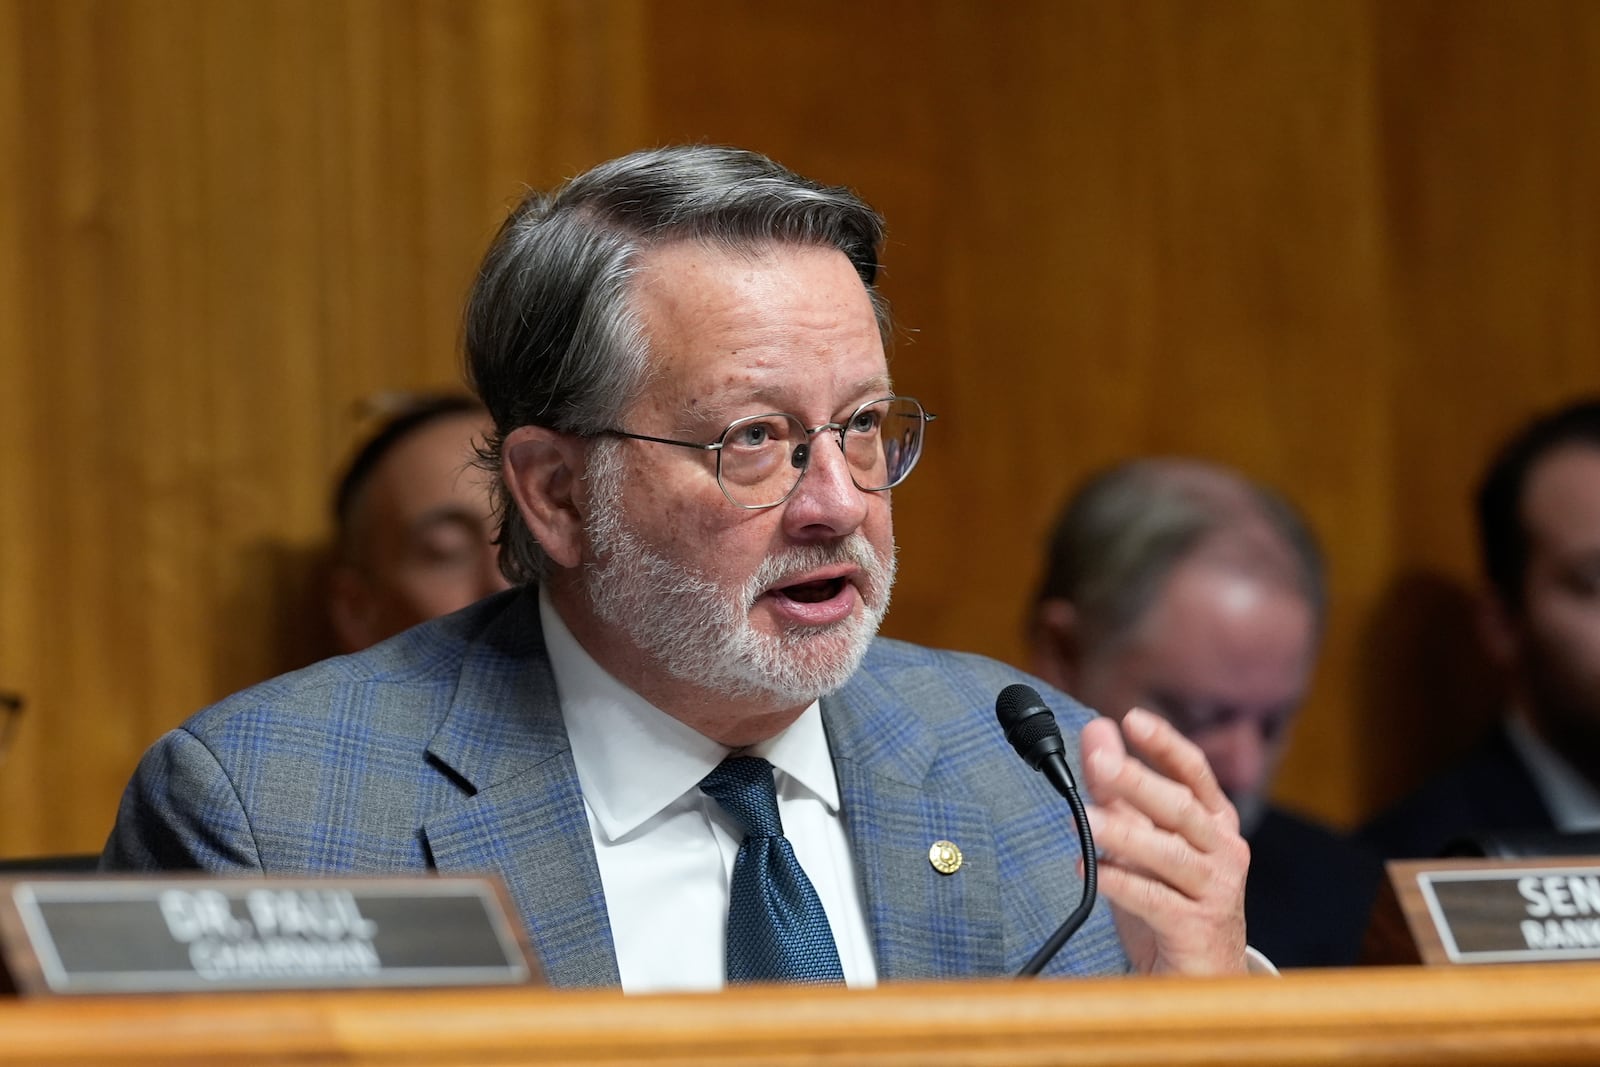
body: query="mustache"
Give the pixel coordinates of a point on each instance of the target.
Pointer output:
(856, 550)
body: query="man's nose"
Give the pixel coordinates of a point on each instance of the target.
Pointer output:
(1238, 756)
(826, 502)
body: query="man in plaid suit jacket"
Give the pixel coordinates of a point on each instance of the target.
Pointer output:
(695, 432)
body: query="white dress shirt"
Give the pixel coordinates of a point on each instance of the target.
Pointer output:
(666, 850)
(1573, 802)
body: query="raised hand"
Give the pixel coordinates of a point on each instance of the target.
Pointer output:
(1172, 861)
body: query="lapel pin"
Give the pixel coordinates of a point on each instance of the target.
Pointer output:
(945, 857)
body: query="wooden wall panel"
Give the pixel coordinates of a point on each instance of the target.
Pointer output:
(226, 223)
(1344, 246)
(19, 472)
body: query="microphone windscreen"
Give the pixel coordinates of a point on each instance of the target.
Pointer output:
(1015, 703)
(1036, 736)
(1028, 724)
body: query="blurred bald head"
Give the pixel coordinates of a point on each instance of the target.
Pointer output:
(1184, 588)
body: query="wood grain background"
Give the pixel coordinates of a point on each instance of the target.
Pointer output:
(1346, 246)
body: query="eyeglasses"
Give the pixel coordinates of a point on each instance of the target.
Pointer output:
(761, 458)
(10, 715)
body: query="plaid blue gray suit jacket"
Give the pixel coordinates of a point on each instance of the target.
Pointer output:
(443, 749)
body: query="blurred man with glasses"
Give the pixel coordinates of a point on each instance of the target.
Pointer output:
(678, 739)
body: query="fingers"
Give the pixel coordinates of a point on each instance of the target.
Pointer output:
(1166, 932)
(1175, 756)
(1152, 900)
(1172, 862)
(1177, 792)
(1132, 845)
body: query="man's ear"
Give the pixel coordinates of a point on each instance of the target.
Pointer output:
(350, 608)
(542, 470)
(1054, 644)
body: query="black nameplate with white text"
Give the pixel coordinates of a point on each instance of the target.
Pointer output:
(188, 934)
(1523, 915)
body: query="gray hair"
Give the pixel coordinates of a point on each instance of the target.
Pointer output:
(1124, 531)
(551, 336)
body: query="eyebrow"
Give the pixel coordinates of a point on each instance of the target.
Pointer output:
(444, 516)
(878, 385)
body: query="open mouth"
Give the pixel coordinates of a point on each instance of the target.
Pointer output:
(813, 592)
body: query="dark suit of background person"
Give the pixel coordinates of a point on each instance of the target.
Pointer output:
(1183, 588)
(707, 570)
(1538, 514)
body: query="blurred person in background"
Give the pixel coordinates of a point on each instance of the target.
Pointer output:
(1181, 587)
(414, 522)
(1537, 775)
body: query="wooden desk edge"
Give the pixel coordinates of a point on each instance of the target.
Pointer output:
(1502, 1015)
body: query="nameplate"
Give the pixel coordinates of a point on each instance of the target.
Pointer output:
(1496, 911)
(186, 934)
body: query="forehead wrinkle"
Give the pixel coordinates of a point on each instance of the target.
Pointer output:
(874, 387)
(744, 393)
(750, 329)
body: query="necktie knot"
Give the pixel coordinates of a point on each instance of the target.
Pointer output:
(743, 786)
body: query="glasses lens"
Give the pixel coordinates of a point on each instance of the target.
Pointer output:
(761, 459)
(884, 441)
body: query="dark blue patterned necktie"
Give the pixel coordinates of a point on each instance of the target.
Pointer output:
(777, 930)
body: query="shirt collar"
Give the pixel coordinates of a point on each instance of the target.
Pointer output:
(1574, 804)
(633, 759)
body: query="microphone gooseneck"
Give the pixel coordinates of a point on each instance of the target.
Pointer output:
(1031, 729)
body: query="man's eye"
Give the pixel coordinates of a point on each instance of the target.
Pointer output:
(753, 435)
(759, 434)
(1272, 726)
(1583, 581)
(866, 421)
(449, 546)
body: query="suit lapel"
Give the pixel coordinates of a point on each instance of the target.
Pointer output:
(924, 924)
(522, 816)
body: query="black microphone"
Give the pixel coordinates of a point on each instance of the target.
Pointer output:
(1031, 728)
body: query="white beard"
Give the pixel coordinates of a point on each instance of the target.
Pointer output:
(699, 632)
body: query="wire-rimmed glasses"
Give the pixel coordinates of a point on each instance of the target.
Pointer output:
(761, 458)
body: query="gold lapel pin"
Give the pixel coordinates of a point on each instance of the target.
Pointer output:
(945, 857)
